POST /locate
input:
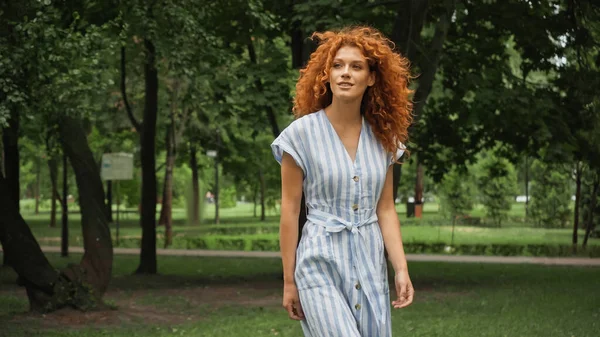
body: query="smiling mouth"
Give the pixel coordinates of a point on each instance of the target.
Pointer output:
(345, 85)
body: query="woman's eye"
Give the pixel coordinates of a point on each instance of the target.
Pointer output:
(357, 67)
(337, 65)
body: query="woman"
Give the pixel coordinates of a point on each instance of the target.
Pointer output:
(352, 114)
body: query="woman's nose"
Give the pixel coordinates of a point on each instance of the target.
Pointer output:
(346, 72)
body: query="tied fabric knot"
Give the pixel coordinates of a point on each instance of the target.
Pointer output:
(365, 267)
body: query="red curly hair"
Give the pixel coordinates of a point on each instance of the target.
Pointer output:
(385, 105)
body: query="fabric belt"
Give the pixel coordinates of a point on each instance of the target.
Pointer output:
(365, 266)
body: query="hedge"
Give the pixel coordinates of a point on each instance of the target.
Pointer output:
(264, 243)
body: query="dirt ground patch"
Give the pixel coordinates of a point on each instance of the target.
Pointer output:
(166, 306)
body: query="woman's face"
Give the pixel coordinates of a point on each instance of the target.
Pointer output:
(350, 76)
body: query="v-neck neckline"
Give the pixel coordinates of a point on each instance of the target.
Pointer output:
(337, 136)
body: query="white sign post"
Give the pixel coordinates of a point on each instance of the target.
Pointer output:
(115, 167)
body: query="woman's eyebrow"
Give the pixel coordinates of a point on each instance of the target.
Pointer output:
(351, 61)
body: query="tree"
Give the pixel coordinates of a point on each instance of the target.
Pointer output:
(62, 74)
(496, 183)
(550, 195)
(456, 194)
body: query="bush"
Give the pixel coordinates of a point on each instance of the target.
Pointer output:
(496, 181)
(456, 194)
(550, 196)
(227, 197)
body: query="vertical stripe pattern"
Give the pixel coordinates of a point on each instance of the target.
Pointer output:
(341, 272)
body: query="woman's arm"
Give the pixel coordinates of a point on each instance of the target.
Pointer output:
(392, 238)
(390, 225)
(291, 195)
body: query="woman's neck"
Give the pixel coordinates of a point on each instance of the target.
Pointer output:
(344, 113)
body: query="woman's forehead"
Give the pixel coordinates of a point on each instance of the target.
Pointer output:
(350, 53)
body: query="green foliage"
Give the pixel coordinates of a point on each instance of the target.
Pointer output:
(550, 195)
(227, 197)
(129, 190)
(496, 183)
(456, 193)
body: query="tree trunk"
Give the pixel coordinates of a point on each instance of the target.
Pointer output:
(64, 242)
(406, 35)
(109, 200)
(11, 163)
(23, 252)
(38, 169)
(96, 263)
(195, 186)
(419, 190)
(148, 135)
(526, 187)
(166, 211)
(578, 174)
(53, 168)
(592, 208)
(254, 198)
(10, 140)
(261, 178)
(47, 288)
(397, 172)
(217, 192)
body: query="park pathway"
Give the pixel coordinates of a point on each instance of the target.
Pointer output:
(410, 257)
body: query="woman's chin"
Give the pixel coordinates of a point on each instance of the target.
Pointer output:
(346, 96)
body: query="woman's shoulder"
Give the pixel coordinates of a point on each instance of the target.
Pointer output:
(303, 123)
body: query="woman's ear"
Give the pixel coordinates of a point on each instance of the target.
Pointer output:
(371, 79)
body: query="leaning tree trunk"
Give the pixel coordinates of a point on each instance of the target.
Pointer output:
(47, 288)
(148, 159)
(24, 254)
(195, 187)
(96, 264)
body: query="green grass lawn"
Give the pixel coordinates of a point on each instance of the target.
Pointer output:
(432, 228)
(241, 297)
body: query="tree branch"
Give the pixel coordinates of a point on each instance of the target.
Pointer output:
(134, 122)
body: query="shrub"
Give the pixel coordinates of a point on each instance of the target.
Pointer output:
(550, 195)
(496, 182)
(456, 194)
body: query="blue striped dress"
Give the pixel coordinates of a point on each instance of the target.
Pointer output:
(341, 272)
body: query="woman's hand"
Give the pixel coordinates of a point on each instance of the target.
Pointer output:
(404, 290)
(291, 301)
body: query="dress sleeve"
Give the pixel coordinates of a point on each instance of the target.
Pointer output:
(399, 152)
(289, 141)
